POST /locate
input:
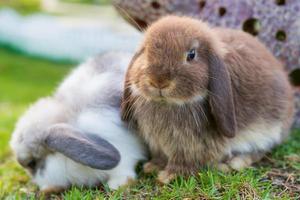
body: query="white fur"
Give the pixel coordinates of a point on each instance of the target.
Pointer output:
(88, 99)
(260, 136)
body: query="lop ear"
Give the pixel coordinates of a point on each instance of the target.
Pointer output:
(127, 99)
(221, 97)
(87, 149)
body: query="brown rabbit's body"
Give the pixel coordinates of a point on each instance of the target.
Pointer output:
(227, 105)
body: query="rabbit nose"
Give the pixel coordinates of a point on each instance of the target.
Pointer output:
(160, 84)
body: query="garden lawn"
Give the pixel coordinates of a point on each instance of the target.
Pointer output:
(24, 79)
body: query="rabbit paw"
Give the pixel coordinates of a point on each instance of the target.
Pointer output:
(150, 167)
(52, 190)
(239, 162)
(116, 183)
(224, 167)
(165, 177)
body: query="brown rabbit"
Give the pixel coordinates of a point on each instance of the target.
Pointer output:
(205, 96)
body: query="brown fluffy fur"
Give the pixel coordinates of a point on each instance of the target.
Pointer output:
(191, 112)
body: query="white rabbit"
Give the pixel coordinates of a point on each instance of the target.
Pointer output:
(76, 137)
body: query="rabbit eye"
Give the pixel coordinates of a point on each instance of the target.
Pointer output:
(191, 55)
(32, 164)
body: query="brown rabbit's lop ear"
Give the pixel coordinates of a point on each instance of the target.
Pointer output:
(221, 97)
(127, 99)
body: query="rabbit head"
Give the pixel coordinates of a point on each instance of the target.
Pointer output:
(183, 64)
(27, 138)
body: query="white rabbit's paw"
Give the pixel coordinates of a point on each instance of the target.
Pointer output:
(117, 182)
(52, 190)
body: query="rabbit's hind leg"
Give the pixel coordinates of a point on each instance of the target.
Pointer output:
(240, 161)
(157, 163)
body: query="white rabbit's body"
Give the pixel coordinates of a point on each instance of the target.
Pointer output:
(87, 100)
(61, 171)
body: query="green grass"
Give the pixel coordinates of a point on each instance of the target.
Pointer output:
(23, 6)
(24, 79)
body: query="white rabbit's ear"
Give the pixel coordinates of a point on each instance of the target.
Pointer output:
(87, 149)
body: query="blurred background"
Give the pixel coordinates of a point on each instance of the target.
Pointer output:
(68, 30)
